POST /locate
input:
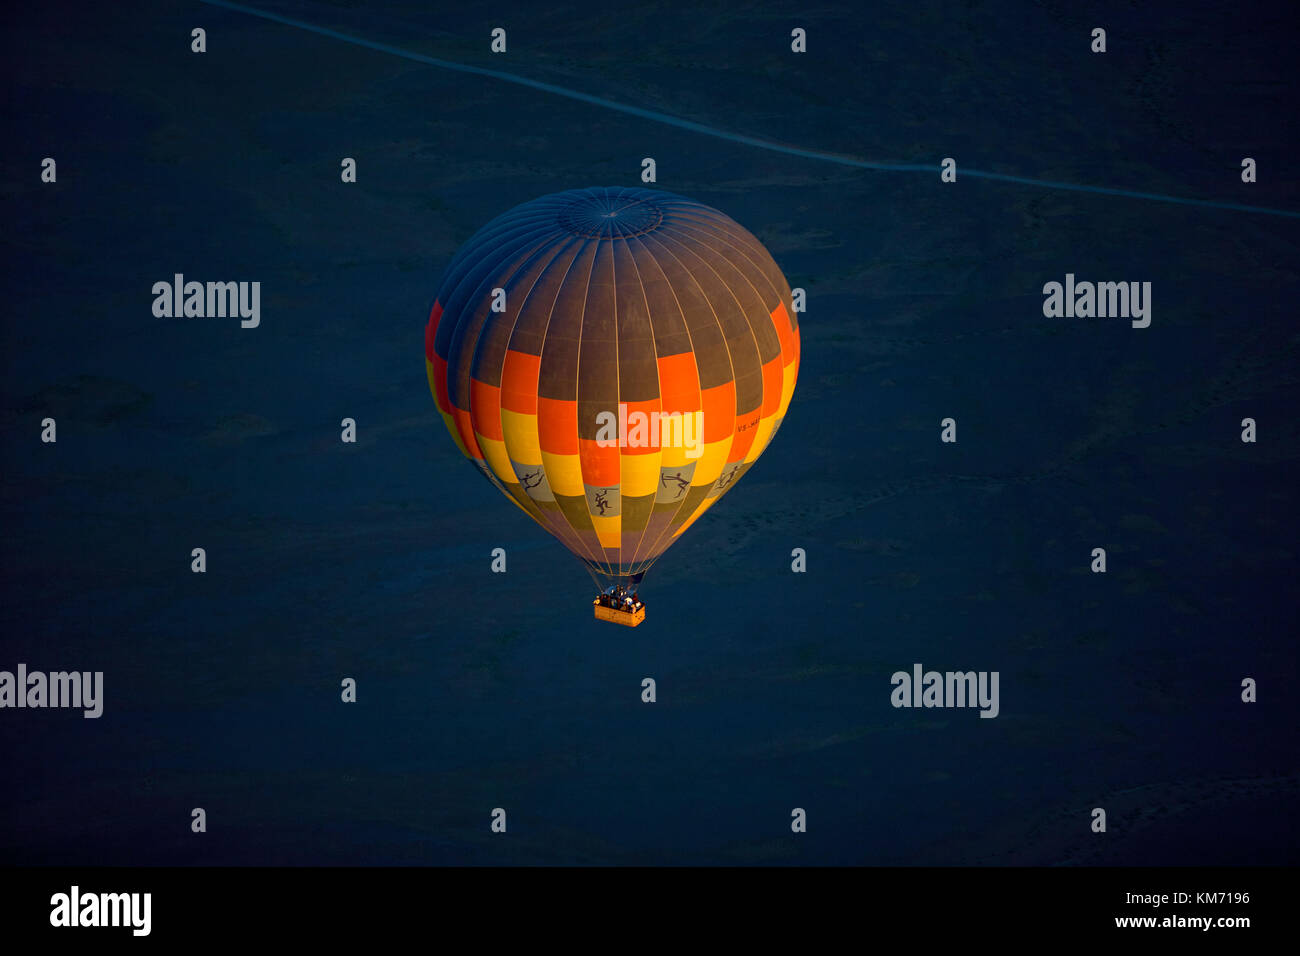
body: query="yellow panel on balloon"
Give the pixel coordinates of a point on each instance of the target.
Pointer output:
(760, 439)
(495, 453)
(564, 472)
(639, 475)
(787, 387)
(607, 530)
(709, 465)
(520, 433)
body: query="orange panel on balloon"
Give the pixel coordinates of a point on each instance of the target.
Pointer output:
(485, 409)
(719, 411)
(519, 382)
(557, 426)
(599, 465)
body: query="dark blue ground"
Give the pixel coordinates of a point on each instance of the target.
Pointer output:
(479, 690)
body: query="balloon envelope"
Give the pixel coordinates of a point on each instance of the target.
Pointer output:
(613, 360)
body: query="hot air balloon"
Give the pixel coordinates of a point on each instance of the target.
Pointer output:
(613, 360)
